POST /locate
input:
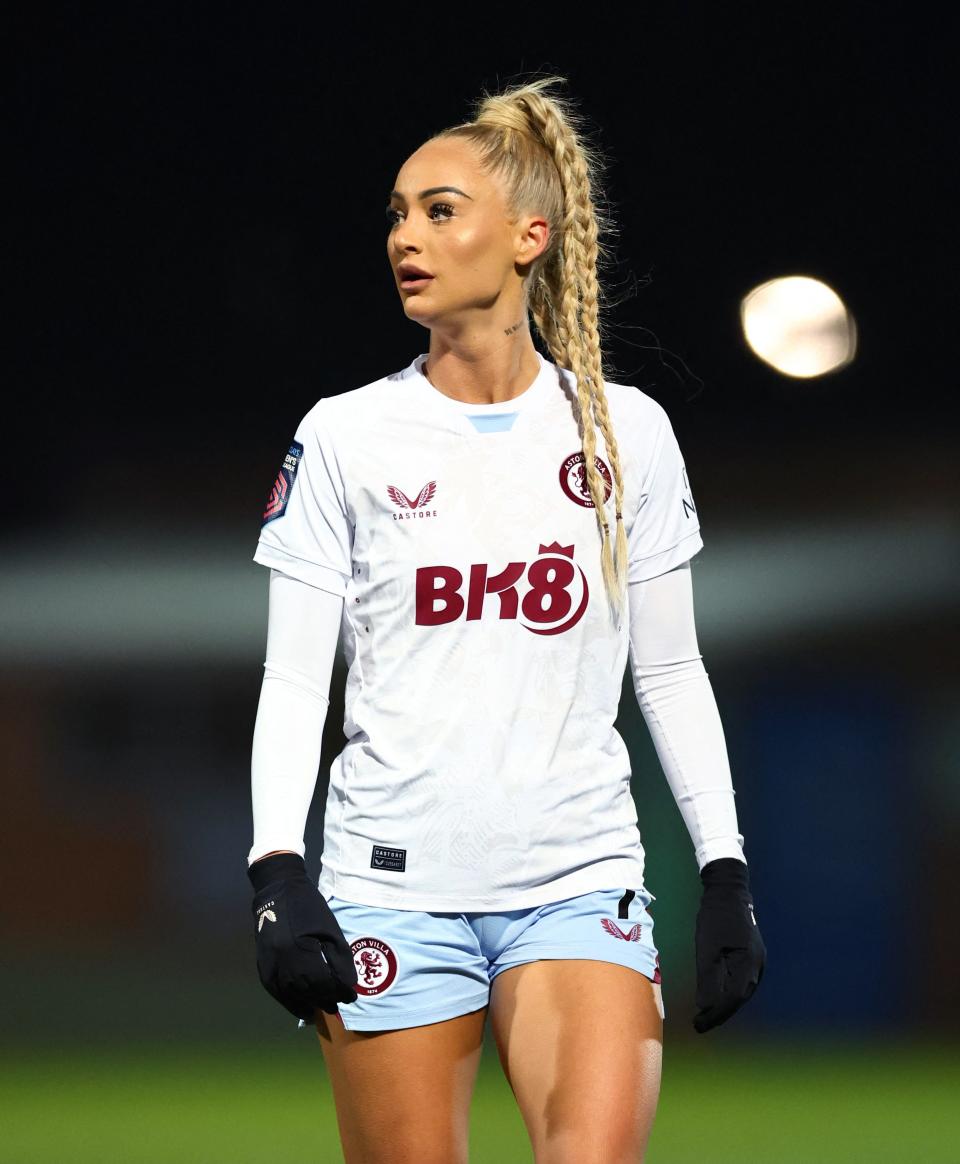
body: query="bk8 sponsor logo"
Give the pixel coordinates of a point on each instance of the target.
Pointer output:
(554, 592)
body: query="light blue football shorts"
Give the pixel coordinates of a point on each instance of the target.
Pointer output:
(415, 968)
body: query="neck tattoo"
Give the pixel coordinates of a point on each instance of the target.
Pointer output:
(511, 330)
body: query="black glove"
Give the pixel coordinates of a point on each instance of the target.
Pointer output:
(730, 952)
(303, 959)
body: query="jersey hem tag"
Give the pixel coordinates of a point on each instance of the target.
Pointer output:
(393, 859)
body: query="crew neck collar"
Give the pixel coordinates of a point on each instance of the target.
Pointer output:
(519, 403)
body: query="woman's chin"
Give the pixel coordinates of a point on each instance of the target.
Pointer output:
(414, 308)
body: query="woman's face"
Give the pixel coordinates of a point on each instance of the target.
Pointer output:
(449, 219)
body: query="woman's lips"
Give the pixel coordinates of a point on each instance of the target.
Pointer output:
(414, 282)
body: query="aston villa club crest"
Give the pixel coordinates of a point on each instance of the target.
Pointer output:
(573, 479)
(376, 965)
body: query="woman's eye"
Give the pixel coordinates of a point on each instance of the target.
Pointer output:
(444, 208)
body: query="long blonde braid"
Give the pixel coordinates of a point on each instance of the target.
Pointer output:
(533, 139)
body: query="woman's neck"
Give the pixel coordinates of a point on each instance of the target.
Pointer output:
(488, 374)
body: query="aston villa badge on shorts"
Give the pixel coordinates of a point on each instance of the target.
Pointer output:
(376, 966)
(280, 493)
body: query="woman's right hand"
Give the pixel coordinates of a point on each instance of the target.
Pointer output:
(303, 959)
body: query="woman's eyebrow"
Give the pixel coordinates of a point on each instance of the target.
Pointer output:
(433, 190)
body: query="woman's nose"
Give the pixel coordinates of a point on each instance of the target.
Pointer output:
(405, 238)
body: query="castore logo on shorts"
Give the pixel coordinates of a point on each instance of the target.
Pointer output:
(555, 598)
(632, 935)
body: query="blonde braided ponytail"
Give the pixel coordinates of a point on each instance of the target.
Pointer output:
(533, 140)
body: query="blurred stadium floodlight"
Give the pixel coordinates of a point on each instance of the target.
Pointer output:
(185, 601)
(799, 326)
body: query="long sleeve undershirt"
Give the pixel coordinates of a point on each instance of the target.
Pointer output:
(671, 684)
(303, 628)
(680, 710)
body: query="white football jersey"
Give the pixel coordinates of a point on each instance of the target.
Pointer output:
(482, 770)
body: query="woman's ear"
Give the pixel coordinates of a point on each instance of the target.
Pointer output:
(532, 240)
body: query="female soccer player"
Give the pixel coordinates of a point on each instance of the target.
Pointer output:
(493, 533)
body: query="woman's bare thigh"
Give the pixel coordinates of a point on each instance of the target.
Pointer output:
(581, 1043)
(403, 1095)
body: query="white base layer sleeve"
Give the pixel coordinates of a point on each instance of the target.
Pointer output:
(680, 710)
(302, 633)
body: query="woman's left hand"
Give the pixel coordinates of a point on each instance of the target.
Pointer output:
(730, 952)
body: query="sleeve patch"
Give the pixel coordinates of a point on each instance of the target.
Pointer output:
(280, 493)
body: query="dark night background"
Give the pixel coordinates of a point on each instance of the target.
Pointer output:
(197, 252)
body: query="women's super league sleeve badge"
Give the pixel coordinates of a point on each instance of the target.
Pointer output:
(280, 493)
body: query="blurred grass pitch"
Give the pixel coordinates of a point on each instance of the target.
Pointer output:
(726, 1104)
